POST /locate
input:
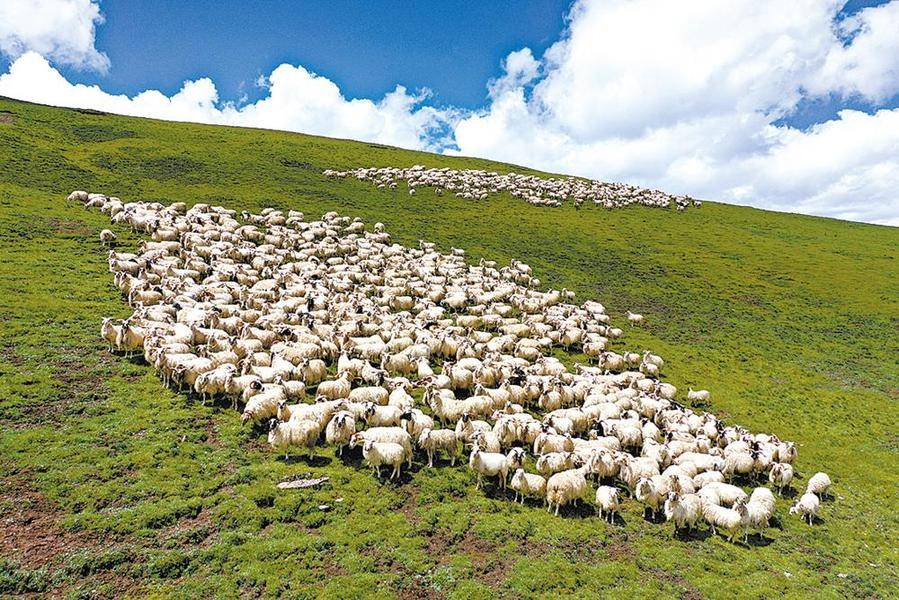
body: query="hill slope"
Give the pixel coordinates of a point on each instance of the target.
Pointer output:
(112, 482)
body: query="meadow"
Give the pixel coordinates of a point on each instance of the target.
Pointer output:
(111, 484)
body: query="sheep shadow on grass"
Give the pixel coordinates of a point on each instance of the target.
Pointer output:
(317, 460)
(692, 535)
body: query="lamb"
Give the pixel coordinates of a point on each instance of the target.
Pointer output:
(433, 440)
(781, 476)
(807, 507)
(282, 435)
(384, 453)
(527, 484)
(818, 484)
(759, 510)
(607, 501)
(684, 510)
(339, 430)
(729, 520)
(567, 486)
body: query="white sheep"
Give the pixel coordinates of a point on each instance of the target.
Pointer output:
(339, 430)
(607, 501)
(720, 494)
(647, 492)
(494, 464)
(685, 510)
(781, 476)
(730, 520)
(806, 507)
(384, 453)
(634, 318)
(818, 484)
(698, 396)
(759, 510)
(284, 435)
(107, 237)
(432, 440)
(527, 484)
(567, 486)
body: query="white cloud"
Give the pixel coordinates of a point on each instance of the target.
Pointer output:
(297, 100)
(686, 97)
(61, 30)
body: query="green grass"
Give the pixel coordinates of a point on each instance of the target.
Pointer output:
(791, 321)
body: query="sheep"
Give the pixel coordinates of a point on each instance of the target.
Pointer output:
(384, 453)
(550, 442)
(394, 435)
(759, 510)
(634, 318)
(494, 464)
(685, 510)
(698, 396)
(107, 237)
(647, 492)
(381, 416)
(806, 507)
(335, 389)
(339, 430)
(527, 484)
(415, 422)
(607, 501)
(781, 476)
(555, 462)
(818, 484)
(730, 520)
(432, 440)
(722, 494)
(701, 480)
(283, 435)
(567, 486)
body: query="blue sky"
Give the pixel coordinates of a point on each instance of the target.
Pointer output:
(782, 105)
(451, 47)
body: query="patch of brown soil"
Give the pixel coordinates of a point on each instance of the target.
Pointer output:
(32, 535)
(70, 227)
(689, 592)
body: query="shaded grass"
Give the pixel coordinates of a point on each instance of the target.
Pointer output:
(791, 321)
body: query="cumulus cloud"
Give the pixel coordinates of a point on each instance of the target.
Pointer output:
(686, 97)
(61, 30)
(297, 100)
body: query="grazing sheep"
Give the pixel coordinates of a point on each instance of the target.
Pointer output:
(806, 507)
(647, 492)
(634, 318)
(394, 435)
(759, 510)
(729, 520)
(721, 494)
(527, 484)
(698, 396)
(107, 237)
(493, 464)
(818, 484)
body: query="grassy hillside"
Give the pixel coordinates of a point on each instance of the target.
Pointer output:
(112, 484)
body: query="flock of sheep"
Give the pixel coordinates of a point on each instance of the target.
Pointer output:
(475, 184)
(326, 332)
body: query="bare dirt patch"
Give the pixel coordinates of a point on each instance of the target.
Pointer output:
(32, 535)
